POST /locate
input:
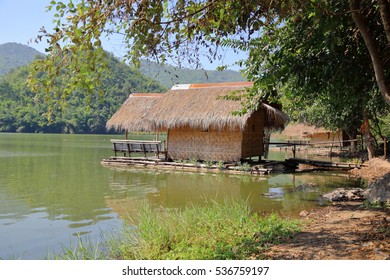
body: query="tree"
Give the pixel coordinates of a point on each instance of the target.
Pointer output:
(157, 29)
(321, 68)
(185, 28)
(377, 48)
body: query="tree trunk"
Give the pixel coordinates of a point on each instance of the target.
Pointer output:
(373, 49)
(384, 8)
(368, 138)
(352, 135)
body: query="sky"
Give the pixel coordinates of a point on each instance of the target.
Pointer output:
(21, 20)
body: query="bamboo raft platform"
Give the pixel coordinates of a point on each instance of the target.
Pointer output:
(254, 168)
(148, 154)
(159, 163)
(326, 164)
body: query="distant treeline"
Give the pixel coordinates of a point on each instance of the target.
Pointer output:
(168, 75)
(21, 110)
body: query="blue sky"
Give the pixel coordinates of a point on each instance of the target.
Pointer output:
(20, 21)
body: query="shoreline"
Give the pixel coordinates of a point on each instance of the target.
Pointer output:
(344, 230)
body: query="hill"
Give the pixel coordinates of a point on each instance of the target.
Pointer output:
(24, 111)
(14, 55)
(168, 75)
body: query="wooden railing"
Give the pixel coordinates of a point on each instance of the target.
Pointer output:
(127, 147)
(295, 143)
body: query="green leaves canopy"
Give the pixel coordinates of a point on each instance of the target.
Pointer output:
(310, 50)
(178, 30)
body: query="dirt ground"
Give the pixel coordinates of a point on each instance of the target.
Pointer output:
(342, 231)
(376, 168)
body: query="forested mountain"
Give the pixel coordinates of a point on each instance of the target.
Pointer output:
(14, 55)
(21, 110)
(168, 75)
(24, 111)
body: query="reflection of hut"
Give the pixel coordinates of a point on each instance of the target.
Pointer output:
(313, 134)
(200, 123)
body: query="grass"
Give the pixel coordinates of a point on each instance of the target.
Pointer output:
(245, 166)
(218, 231)
(83, 249)
(375, 205)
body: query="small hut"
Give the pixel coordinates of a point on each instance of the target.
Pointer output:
(200, 123)
(314, 134)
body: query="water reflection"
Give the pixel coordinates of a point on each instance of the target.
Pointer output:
(53, 189)
(292, 193)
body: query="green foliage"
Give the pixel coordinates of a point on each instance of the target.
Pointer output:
(209, 164)
(307, 53)
(375, 205)
(245, 166)
(194, 162)
(22, 110)
(84, 249)
(221, 165)
(317, 66)
(383, 128)
(161, 30)
(218, 231)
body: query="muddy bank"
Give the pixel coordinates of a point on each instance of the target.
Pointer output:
(377, 172)
(343, 231)
(346, 230)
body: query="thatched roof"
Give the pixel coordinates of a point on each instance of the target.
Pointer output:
(303, 130)
(132, 114)
(203, 106)
(195, 105)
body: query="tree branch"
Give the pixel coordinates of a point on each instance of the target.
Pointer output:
(373, 49)
(384, 8)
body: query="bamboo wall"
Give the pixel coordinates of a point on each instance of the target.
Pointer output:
(204, 145)
(227, 145)
(253, 135)
(326, 137)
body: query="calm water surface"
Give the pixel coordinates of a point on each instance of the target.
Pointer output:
(53, 190)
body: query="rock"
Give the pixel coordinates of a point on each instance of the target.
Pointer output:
(304, 213)
(379, 190)
(307, 187)
(342, 194)
(272, 194)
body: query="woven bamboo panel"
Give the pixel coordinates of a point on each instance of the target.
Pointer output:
(253, 135)
(213, 144)
(326, 137)
(204, 145)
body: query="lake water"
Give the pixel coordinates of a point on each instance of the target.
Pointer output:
(53, 190)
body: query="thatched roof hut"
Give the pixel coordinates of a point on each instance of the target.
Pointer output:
(313, 134)
(199, 121)
(132, 116)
